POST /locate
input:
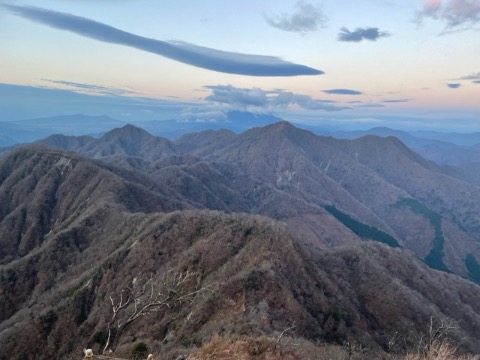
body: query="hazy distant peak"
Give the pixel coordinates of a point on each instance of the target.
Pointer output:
(281, 125)
(66, 142)
(381, 142)
(128, 130)
(389, 147)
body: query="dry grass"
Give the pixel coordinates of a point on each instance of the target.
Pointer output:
(243, 349)
(440, 350)
(438, 344)
(219, 348)
(267, 348)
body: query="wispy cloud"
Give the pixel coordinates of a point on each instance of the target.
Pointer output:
(397, 100)
(203, 114)
(454, 85)
(454, 13)
(202, 57)
(19, 102)
(360, 34)
(473, 76)
(371, 105)
(342, 92)
(228, 94)
(91, 88)
(266, 100)
(306, 17)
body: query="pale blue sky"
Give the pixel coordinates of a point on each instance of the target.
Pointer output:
(407, 50)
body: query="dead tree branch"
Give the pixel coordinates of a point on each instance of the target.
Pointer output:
(144, 296)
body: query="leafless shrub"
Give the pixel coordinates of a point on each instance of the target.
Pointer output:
(438, 343)
(146, 295)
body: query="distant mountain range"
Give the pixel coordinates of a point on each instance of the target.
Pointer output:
(293, 175)
(444, 148)
(301, 156)
(423, 137)
(25, 131)
(352, 240)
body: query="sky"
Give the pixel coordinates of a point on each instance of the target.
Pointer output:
(406, 64)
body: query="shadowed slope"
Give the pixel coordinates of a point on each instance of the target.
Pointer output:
(260, 282)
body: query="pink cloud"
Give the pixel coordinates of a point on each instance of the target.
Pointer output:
(454, 13)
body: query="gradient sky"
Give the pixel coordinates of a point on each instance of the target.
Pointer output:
(409, 64)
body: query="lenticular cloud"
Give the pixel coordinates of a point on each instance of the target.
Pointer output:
(202, 57)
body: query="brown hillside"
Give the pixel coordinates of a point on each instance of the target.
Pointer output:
(291, 175)
(258, 282)
(79, 231)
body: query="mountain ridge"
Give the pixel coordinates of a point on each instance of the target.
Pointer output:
(251, 215)
(300, 173)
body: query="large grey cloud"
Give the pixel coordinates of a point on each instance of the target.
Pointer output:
(454, 13)
(203, 57)
(226, 98)
(342, 92)
(307, 17)
(258, 99)
(360, 34)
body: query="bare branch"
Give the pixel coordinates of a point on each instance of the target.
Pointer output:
(283, 333)
(143, 297)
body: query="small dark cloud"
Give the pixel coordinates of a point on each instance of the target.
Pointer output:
(342, 92)
(202, 57)
(397, 100)
(455, 14)
(307, 17)
(454, 85)
(372, 34)
(476, 81)
(258, 99)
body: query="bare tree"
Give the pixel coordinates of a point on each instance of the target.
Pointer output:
(144, 296)
(440, 333)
